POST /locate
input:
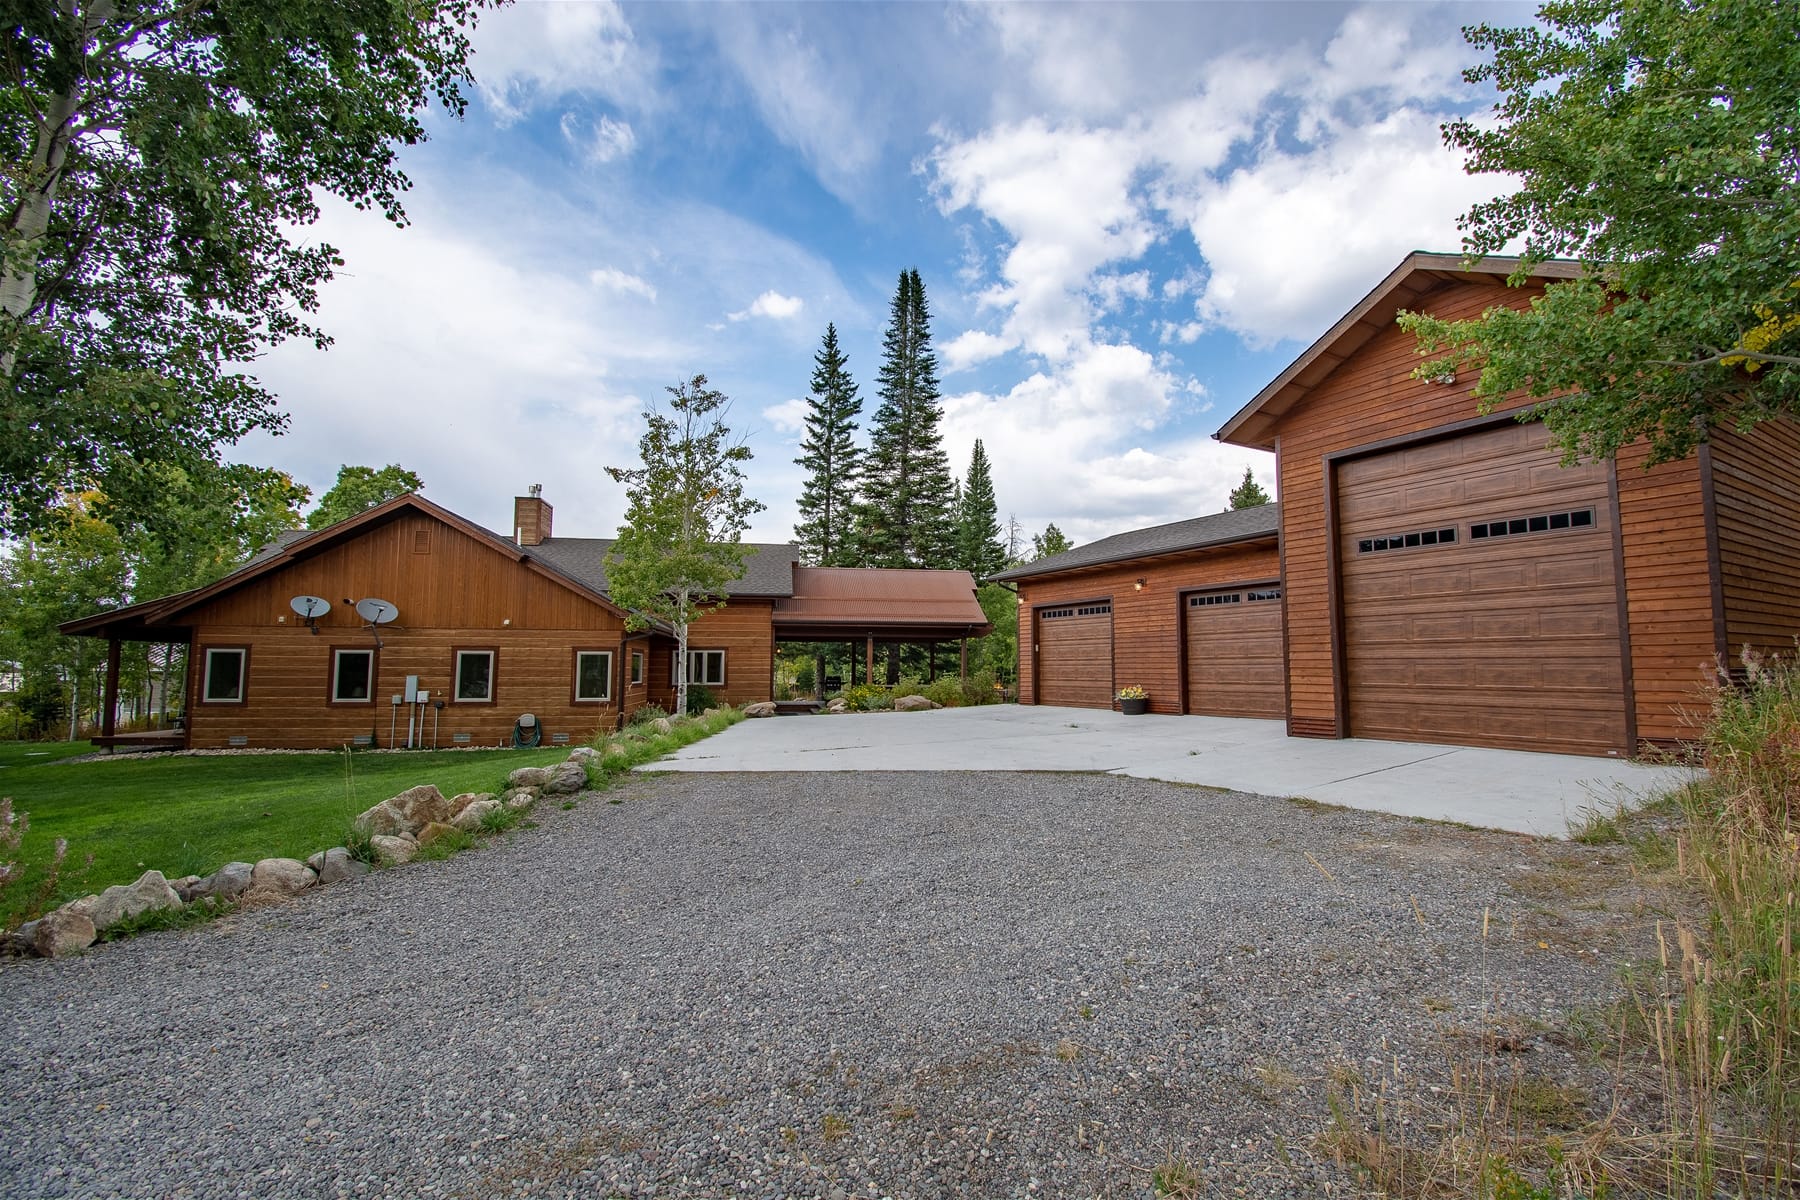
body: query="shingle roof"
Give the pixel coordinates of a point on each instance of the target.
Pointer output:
(1197, 533)
(768, 568)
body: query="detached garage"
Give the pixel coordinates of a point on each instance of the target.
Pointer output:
(1446, 579)
(1190, 611)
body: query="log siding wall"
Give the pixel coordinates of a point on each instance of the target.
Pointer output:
(1147, 623)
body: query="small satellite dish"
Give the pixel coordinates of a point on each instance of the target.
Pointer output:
(376, 612)
(311, 608)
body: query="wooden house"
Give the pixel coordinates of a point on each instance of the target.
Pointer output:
(408, 625)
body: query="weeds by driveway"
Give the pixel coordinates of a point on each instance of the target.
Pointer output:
(807, 985)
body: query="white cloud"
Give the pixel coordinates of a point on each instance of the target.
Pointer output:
(972, 346)
(613, 279)
(789, 416)
(771, 304)
(536, 53)
(598, 142)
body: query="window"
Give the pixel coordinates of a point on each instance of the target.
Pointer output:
(707, 667)
(352, 676)
(637, 667)
(1086, 610)
(1407, 541)
(1265, 594)
(1216, 598)
(593, 675)
(224, 682)
(475, 676)
(1581, 518)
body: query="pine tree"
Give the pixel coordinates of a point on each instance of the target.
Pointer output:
(905, 516)
(1051, 541)
(1248, 494)
(830, 458)
(979, 549)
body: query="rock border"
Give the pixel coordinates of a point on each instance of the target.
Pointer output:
(396, 829)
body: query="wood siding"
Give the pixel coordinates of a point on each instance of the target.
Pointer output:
(1756, 496)
(1668, 592)
(745, 630)
(453, 592)
(1146, 623)
(1371, 399)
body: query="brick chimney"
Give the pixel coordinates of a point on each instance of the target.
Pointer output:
(531, 516)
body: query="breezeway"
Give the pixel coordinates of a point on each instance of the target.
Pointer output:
(1495, 789)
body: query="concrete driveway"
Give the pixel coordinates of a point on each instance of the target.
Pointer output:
(1493, 789)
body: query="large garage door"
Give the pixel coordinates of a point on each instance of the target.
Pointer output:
(1480, 597)
(1234, 660)
(1074, 661)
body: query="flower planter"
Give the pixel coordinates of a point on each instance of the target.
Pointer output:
(1134, 708)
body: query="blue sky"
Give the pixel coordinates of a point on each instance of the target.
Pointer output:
(1128, 219)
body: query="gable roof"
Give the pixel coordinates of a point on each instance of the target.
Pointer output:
(768, 568)
(1420, 272)
(1197, 533)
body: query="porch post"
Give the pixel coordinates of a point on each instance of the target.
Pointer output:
(110, 705)
(869, 658)
(963, 671)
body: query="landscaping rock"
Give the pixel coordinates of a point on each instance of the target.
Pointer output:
(914, 704)
(463, 800)
(421, 806)
(535, 777)
(18, 942)
(393, 849)
(470, 818)
(763, 708)
(282, 876)
(565, 779)
(617, 749)
(227, 883)
(583, 754)
(316, 861)
(337, 864)
(662, 725)
(434, 831)
(149, 893)
(62, 933)
(518, 798)
(839, 705)
(384, 819)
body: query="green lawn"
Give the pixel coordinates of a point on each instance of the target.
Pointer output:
(191, 815)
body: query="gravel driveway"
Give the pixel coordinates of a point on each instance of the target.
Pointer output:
(801, 985)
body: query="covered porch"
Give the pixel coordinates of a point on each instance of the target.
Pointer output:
(138, 623)
(864, 607)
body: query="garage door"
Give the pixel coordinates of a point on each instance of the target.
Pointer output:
(1074, 660)
(1234, 659)
(1480, 601)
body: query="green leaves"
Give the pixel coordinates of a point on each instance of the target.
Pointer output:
(1655, 142)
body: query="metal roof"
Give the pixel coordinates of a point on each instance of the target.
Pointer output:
(1196, 533)
(884, 601)
(1420, 272)
(768, 568)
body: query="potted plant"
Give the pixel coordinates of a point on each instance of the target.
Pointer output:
(1134, 701)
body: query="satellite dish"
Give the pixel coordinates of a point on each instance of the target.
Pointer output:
(312, 608)
(376, 612)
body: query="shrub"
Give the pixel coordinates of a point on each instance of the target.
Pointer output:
(947, 692)
(700, 698)
(804, 677)
(909, 685)
(867, 697)
(981, 688)
(648, 713)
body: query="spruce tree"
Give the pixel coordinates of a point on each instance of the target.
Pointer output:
(905, 517)
(830, 458)
(1249, 493)
(979, 549)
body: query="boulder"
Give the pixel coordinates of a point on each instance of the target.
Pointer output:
(617, 749)
(762, 708)
(384, 820)
(150, 893)
(914, 704)
(566, 779)
(227, 883)
(662, 725)
(19, 940)
(472, 815)
(62, 933)
(462, 801)
(337, 864)
(282, 876)
(535, 777)
(316, 861)
(434, 831)
(393, 849)
(519, 797)
(421, 806)
(583, 754)
(838, 705)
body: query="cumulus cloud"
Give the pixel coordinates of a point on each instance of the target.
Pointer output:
(787, 417)
(599, 141)
(537, 53)
(613, 279)
(970, 347)
(771, 304)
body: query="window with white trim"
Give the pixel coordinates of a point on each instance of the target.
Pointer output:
(352, 676)
(475, 676)
(637, 667)
(593, 675)
(224, 682)
(706, 667)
